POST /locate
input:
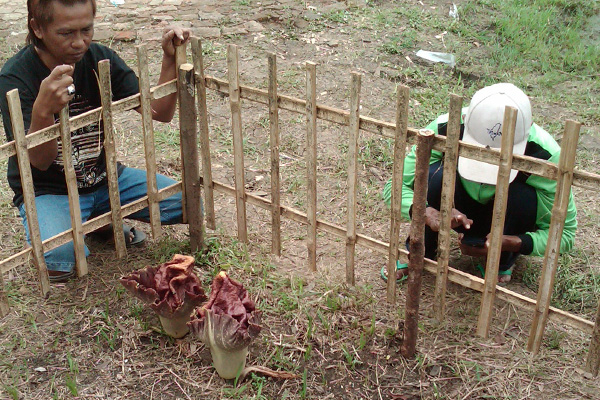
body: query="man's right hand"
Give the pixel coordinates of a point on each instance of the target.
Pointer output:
(52, 98)
(53, 95)
(432, 219)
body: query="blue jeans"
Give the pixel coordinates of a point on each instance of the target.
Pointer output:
(54, 214)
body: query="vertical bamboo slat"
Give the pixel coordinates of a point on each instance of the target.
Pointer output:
(189, 150)
(238, 141)
(353, 131)
(16, 119)
(111, 158)
(311, 163)
(446, 204)
(148, 134)
(209, 203)
(498, 217)
(4, 306)
(402, 103)
(274, 144)
(566, 163)
(592, 364)
(417, 243)
(73, 193)
(180, 58)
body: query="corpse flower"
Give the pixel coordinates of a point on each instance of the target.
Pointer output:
(171, 289)
(227, 323)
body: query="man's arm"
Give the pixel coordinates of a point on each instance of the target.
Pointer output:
(51, 98)
(163, 109)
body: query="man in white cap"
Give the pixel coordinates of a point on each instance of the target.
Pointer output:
(530, 197)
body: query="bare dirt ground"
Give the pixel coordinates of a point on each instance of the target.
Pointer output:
(90, 339)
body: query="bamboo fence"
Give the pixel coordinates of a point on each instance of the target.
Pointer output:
(191, 87)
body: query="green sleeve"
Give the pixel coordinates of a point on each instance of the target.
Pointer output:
(408, 178)
(546, 190)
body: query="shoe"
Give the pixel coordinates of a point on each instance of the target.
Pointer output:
(504, 276)
(133, 237)
(60, 276)
(400, 277)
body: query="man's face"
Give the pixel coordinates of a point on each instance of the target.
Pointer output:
(68, 36)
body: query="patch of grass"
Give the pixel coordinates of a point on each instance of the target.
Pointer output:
(576, 285)
(167, 138)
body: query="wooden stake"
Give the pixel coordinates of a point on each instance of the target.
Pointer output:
(16, 119)
(592, 364)
(238, 141)
(4, 306)
(447, 203)
(180, 58)
(189, 150)
(111, 158)
(73, 193)
(417, 243)
(498, 217)
(148, 134)
(402, 103)
(209, 202)
(566, 163)
(352, 176)
(311, 163)
(274, 144)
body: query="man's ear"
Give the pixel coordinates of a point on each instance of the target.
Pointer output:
(37, 29)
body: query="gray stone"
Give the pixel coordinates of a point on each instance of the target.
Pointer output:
(311, 16)
(165, 9)
(234, 30)
(155, 3)
(210, 16)
(102, 34)
(161, 18)
(207, 32)
(173, 2)
(253, 26)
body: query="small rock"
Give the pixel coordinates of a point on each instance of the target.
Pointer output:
(208, 32)
(40, 369)
(125, 36)
(311, 16)
(102, 34)
(210, 16)
(253, 26)
(160, 18)
(236, 30)
(165, 9)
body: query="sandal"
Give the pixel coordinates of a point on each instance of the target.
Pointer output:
(399, 267)
(60, 276)
(133, 237)
(507, 273)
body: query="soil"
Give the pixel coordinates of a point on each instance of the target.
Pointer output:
(90, 339)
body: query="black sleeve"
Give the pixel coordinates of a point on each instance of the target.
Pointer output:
(123, 80)
(6, 85)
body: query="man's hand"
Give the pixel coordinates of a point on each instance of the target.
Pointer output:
(52, 97)
(509, 243)
(173, 37)
(53, 94)
(432, 219)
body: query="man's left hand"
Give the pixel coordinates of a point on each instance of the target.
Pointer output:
(174, 36)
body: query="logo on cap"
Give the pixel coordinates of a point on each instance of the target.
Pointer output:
(495, 131)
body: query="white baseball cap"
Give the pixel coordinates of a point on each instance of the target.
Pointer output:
(483, 127)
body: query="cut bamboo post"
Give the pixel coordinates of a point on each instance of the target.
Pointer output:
(498, 217)
(4, 306)
(73, 193)
(189, 150)
(16, 119)
(148, 135)
(352, 176)
(181, 58)
(592, 364)
(311, 163)
(238, 141)
(209, 202)
(111, 158)
(417, 243)
(566, 163)
(402, 103)
(446, 205)
(274, 144)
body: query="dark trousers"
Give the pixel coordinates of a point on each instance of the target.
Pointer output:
(521, 212)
